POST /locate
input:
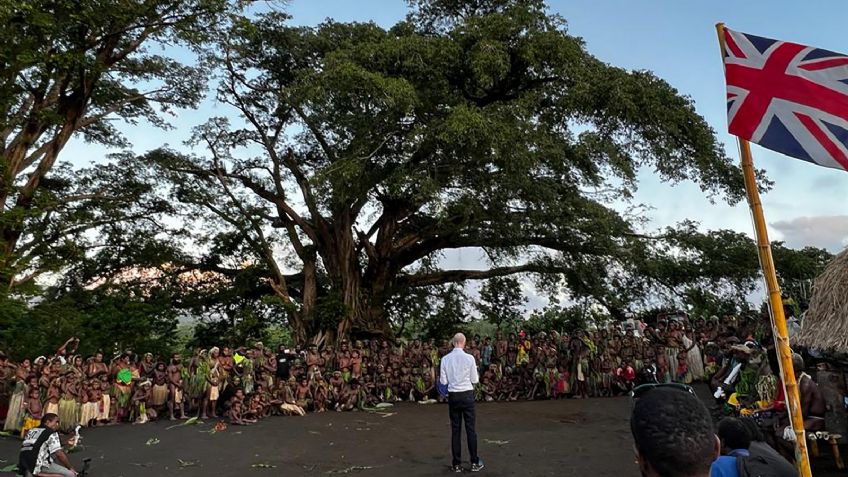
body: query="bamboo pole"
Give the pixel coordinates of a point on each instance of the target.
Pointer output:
(778, 320)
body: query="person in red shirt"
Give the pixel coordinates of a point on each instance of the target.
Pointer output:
(625, 376)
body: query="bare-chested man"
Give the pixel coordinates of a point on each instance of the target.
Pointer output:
(269, 366)
(356, 363)
(320, 394)
(97, 368)
(337, 385)
(139, 402)
(813, 406)
(313, 357)
(343, 356)
(501, 346)
(303, 394)
(349, 399)
(175, 387)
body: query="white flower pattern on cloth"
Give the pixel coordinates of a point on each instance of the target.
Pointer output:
(47, 450)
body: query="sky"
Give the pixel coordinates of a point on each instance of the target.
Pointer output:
(675, 39)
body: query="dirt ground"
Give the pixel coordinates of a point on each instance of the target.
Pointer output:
(571, 437)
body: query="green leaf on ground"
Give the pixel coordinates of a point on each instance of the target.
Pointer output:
(187, 463)
(10, 468)
(492, 441)
(349, 470)
(190, 422)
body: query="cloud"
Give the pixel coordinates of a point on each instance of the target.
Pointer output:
(826, 231)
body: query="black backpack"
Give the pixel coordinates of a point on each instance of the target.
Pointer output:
(30, 449)
(762, 466)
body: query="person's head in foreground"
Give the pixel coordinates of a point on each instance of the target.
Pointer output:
(673, 434)
(50, 421)
(733, 434)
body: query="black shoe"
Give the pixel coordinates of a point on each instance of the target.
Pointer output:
(478, 466)
(456, 468)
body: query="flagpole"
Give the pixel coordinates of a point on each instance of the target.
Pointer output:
(778, 320)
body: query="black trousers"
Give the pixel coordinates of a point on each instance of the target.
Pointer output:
(461, 407)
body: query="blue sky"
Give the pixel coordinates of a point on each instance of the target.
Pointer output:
(675, 39)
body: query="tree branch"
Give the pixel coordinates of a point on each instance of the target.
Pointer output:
(451, 276)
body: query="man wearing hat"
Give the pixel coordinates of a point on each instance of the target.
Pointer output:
(727, 378)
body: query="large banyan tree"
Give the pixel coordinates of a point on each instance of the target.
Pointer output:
(355, 155)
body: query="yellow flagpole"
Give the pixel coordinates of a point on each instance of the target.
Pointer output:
(778, 320)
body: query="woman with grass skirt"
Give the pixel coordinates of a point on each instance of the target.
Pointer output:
(69, 408)
(122, 391)
(15, 415)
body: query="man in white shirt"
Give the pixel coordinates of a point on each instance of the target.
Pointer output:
(458, 370)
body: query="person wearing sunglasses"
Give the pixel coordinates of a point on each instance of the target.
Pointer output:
(672, 432)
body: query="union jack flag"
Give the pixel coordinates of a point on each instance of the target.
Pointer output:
(787, 97)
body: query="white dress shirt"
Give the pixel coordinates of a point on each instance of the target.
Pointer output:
(459, 371)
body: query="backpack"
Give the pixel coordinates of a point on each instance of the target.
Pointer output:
(761, 466)
(34, 439)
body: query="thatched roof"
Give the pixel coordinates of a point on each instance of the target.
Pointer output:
(826, 322)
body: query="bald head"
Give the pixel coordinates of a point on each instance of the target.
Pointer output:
(458, 340)
(798, 364)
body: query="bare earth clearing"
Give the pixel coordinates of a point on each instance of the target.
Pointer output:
(570, 437)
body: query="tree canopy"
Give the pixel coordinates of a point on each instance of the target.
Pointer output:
(349, 161)
(361, 153)
(71, 67)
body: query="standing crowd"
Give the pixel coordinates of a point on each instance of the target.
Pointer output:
(246, 384)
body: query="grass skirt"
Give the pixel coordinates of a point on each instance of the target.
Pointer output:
(291, 409)
(159, 395)
(104, 408)
(69, 414)
(89, 412)
(15, 416)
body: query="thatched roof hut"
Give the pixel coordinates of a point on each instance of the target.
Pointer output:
(826, 322)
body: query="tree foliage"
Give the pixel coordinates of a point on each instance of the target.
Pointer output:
(363, 152)
(501, 301)
(349, 159)
(109, 318)
(70, 67)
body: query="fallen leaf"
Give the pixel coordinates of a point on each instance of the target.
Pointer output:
(10, 468)
(187, 463)
(75, 448)
(492, 441)
(348, 470)
(152, 441)
(189, 422)
(263, 466)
